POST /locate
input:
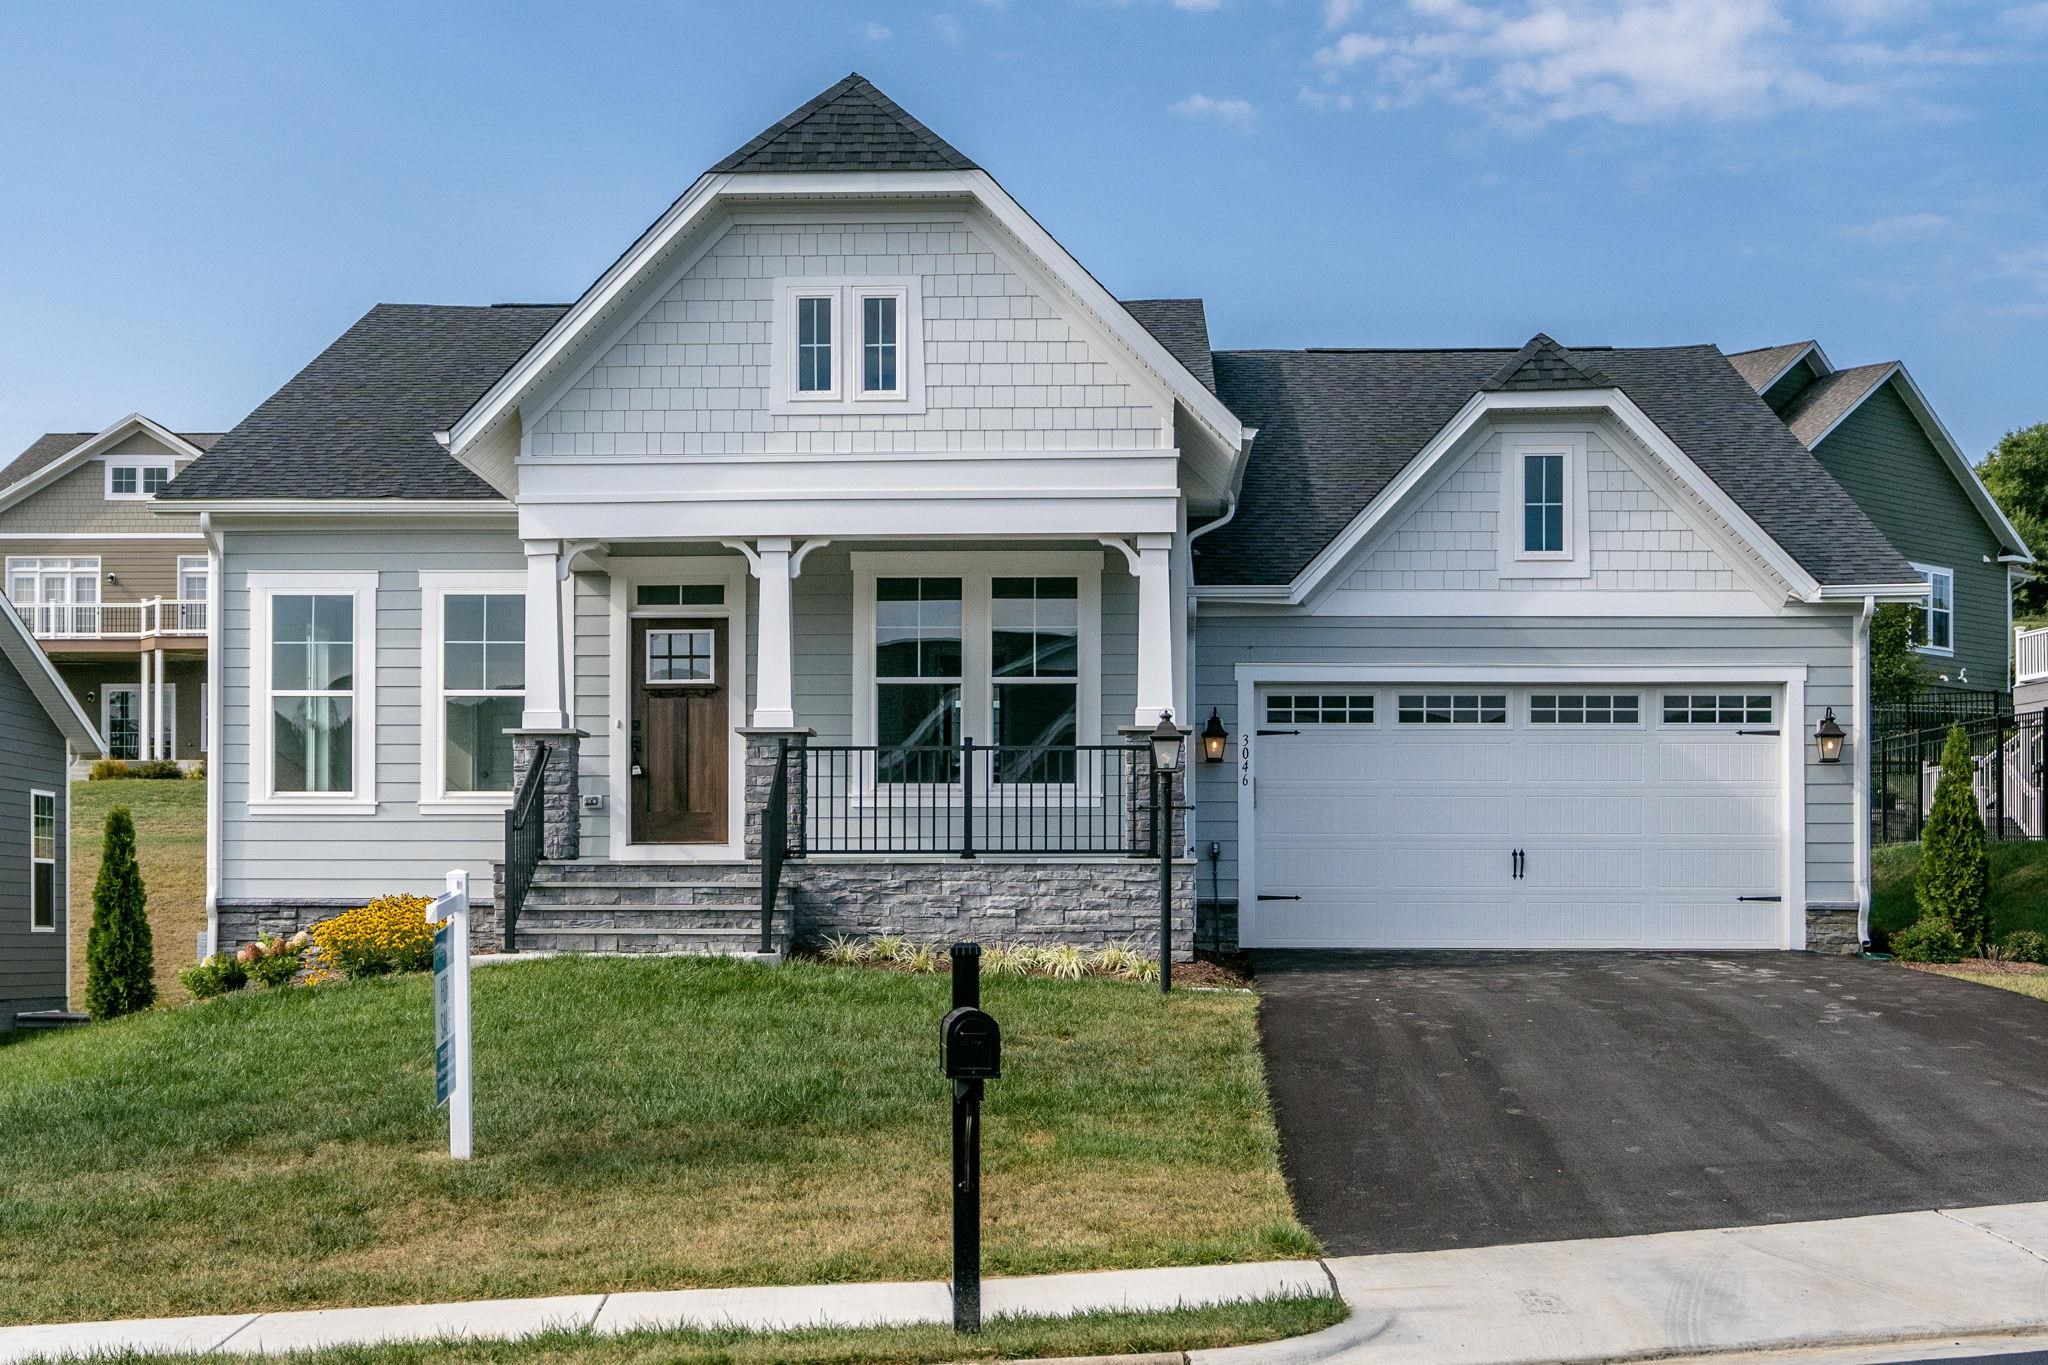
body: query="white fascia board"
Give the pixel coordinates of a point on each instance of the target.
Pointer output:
(41, 676)
(1811, 349)
(1020, 514)
(1915, 591)
(350, 509)
(1488, 603)
(133, 423)
(1987, 506)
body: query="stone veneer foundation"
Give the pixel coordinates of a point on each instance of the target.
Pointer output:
(1832, 929)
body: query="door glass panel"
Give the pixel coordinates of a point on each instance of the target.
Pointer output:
(124, 731)
(681, 656)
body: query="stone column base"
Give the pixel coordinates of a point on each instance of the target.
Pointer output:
(561, 788)
(1832, 929)
(763, 743)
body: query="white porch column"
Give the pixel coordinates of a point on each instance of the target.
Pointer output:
(142, 716)
(1155, 628)
(546, 690)
(775, 676)
(157, 722)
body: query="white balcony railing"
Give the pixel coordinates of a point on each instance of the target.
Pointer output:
(2030, 654)
(156, 616)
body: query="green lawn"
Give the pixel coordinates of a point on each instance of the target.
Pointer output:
(2019, 887)
(170, 841)
(1092, 1334)
(640, 1124)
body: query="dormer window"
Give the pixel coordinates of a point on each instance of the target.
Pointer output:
(1543, 526)
(846, 345)
(137, 478)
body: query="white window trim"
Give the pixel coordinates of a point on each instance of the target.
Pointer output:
(57, 890)
(976, 572)
(264, 798)
(1575, 560)
(845, 396)
(138, 463)
(170, 713)
(1926, 610)
(435, 589)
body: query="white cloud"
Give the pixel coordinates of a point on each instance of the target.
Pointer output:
(1902, 227)
(948, 28)
(1198, 6)
(1337, 13)
(875, 33)
(1230, 112)
(2029, 265)
(1323, 100)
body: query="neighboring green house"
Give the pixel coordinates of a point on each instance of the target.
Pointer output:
(1872, 428)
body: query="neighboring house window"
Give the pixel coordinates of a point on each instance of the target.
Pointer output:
(1543, 504)
(1000, 648)
(1453, 708)
(57, 597)
(1544, 515)
(1934, 624)
(314, 656)
(473, 665)
(1584, 708)
(847, 345)
(42, 852)
(193, 576)
(1319, 708)
(121, 720)
(1717, 708)
(137, 478)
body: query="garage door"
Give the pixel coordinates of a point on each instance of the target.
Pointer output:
(1518, 817)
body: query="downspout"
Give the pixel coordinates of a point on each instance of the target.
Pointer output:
(1862, 721)
(216, 556)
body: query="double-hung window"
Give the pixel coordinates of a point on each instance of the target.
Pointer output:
(1934, 622)
(42, 854)
(473, 666)
(315, 655)
(848, 345)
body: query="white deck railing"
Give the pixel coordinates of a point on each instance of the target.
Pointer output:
(2030, 654)
(156, 616)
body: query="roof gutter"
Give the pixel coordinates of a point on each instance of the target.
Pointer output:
(216, 569)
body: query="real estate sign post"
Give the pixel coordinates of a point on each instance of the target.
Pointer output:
(451, 1009)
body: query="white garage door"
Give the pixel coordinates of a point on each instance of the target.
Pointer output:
(1518, 817)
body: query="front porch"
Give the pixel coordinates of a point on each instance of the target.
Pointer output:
(756, 744)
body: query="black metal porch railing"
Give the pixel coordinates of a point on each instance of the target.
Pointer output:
(525, 828)
(967, 799)
(774, 843)
(2008, 771)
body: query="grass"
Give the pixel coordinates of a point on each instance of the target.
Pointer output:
(2035, 985)
(2019, 887)
(170, 833)
(1090, 1334)
(640, 1124)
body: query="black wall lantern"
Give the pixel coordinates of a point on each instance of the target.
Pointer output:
(1214, 738)
(1828, 738)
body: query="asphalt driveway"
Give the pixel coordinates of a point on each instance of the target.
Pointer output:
(1433, 1100)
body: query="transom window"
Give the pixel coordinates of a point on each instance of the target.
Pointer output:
(1319, 708)
(1934, 622)
(814, 373)
(137, 479)
(1717, 708)
(1584, 708)
(312, 692)
(42, 852)
(1543, 504)
(682, 656)
(483, 688)
(1453, 708)
(679, 595)
(919, 632)
(56, 596)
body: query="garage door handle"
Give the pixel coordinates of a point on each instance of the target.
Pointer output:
(1760, 898)
(1279, 898)
(1279, 732)
(1759, 732)
(1519, 862)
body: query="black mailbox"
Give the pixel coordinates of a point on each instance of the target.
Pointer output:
(970, 1046)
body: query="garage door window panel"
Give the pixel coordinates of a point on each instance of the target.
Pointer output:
(1717, 708)
(1453, 708)
(1584, 708)
(1319, 708)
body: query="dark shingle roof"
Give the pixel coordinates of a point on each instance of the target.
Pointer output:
(1335, 427)
(1543, 364)
(1763, 365)
(1181, 326)
(850, 127)
(359, 421)
(52, 446)
(1830, 398)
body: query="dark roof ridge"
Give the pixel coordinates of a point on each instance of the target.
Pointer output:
(1543, 364)
(858, 128)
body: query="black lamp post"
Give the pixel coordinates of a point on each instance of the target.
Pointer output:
(1827, 737)
(1214, 738)
(1166, 742)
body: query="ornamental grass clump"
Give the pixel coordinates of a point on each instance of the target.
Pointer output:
(1954, 880)
(390, 934)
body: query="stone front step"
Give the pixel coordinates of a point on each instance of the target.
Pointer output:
(650, 874)
(638, 918)
(725, 942)
(605, 907)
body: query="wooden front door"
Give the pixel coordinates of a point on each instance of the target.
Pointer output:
(681, 730)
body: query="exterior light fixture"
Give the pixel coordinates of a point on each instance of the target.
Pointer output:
(1214, 738)
(1166, 741)
(1827, 737)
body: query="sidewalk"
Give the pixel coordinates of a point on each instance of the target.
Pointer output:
(1932, 1277)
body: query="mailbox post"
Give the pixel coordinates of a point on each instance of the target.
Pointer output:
(970, 1052)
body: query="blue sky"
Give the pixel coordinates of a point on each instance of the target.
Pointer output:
(198, 197)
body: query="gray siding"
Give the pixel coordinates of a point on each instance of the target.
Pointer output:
(31, 964)
(141, 568)
(1823, 644)
(1881, 455)
(300, 857)
(78, 501)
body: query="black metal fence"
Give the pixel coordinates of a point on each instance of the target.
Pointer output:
(1939, 707)
(966, 799)
(2007, 758)
(524, 843)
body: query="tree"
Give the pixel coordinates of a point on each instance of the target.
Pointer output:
(1954, 880)
(1897, 672)
(2016, 472)
(120, 959)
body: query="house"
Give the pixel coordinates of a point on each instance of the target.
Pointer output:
(42, 731)
(1872, 428)
(116, 596)
(841, 545)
